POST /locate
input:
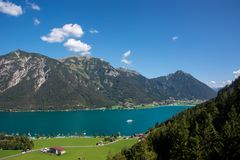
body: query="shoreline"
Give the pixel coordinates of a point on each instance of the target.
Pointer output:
(103, 108)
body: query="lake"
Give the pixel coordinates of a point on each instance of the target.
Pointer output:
(91, 122)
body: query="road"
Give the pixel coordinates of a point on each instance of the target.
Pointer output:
(35, 150)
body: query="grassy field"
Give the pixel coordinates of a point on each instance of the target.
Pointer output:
(4, 153)
(41, 143)
(86, 153)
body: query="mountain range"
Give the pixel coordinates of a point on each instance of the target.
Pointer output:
(34, 81)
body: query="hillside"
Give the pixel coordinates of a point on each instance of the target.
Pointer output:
(208, 131)
(35, 81)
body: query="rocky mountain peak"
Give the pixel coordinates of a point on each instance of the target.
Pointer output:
(15, 67)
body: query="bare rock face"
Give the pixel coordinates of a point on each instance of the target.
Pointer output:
(16, 67)
(41, 73)
(112, 72)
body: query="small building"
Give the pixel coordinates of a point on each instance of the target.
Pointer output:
(100, 143)
(57, 150)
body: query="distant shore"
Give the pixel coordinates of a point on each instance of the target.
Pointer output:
(136, 107)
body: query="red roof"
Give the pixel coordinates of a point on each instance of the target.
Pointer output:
(57, 148)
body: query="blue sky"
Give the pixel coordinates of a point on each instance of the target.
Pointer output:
(154, 37)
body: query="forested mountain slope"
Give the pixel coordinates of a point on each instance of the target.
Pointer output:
(208, 131)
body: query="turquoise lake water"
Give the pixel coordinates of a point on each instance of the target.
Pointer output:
(91, 122)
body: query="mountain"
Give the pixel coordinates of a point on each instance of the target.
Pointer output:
(126, 85)
(35, 81)
(181, 84)
(121, 85)
(208, 131)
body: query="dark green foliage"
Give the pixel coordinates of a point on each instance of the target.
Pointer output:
(208, 131)
(15, 142)
(140, 151)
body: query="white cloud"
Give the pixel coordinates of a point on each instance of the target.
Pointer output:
(228, 82)
(73, 29)
(126, 61)
(59, 34)
(77, 46)
(56, 35)
(10, 8)
(214, 84)
(236, 73)
(36, 21)
(93, 31)
(125, 57)
(33, 5)
(127, 54)
(175, 38)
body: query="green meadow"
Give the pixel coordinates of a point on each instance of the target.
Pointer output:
(87, 150)
(5, 153)
(49, 142)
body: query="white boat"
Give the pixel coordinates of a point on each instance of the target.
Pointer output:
(129, 121)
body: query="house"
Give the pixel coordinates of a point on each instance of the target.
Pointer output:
(57, 150)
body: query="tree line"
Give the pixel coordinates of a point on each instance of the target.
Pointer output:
(8, 142)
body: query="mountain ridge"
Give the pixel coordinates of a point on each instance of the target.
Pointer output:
(40, 82)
